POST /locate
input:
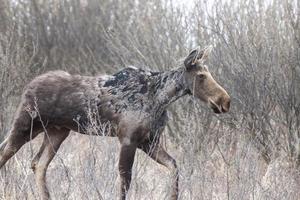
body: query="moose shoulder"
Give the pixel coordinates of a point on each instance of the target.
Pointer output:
(130, 105)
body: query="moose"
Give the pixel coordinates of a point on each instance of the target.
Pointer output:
(132, 103)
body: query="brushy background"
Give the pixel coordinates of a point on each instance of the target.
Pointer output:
(253, 152)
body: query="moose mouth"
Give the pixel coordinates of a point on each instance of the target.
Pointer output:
(216, 108)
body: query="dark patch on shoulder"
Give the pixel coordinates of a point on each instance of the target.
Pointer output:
(130, 82)
(112, 82)
(119, 78)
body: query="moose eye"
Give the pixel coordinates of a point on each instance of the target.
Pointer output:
(201, 76)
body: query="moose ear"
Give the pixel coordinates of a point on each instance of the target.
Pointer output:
(197, 57)
(205, 53)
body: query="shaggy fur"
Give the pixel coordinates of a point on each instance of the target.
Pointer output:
(130, 104)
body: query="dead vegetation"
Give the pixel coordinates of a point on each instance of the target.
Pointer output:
(251, 153)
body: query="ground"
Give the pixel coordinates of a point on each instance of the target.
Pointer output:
(86, 168)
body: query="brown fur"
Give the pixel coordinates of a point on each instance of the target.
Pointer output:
(131, 105)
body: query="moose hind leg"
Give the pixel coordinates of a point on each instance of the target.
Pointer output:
(52, 141)
(21, 132)
(10, 146)
(13, 143)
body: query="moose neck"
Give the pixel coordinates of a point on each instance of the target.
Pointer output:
(169, 87)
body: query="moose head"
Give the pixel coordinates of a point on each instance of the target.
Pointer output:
(201, 83)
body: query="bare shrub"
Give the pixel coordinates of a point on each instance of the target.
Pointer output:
(256, 57)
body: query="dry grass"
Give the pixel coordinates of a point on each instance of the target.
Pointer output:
(86, 168)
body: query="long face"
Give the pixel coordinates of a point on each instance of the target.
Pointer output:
(201, 83)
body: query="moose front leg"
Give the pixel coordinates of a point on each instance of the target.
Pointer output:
(157, 153)
(125, 167)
